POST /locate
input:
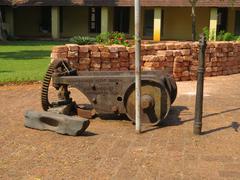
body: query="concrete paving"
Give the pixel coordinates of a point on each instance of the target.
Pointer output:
(110, 149)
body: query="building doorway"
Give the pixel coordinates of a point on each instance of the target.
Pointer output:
(237, 23)
(121, 19)
(148, 22)
(46, 23)
(94, 23)
(222, 19)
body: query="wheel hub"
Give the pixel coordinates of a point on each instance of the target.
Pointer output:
(155, 102)
(147, 101)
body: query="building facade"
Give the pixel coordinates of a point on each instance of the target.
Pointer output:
(161, 19)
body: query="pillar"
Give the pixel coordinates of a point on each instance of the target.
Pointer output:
(104, 19)
(213, 24)
(55, 22)
(157, 24)
(10, 21)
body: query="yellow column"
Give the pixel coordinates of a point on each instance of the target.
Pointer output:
(104, 19)
(55, 22)
(213, 24)
(157, 24)
(10, 21)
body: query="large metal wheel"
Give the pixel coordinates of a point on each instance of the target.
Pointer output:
(171, 87)
(155, 102)
(61, 67)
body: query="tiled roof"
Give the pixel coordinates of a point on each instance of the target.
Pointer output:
(5, 2)
(173, 3)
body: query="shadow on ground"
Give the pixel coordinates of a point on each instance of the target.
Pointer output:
(173, 119)
(234, 125)
(5, 71)
(88, 133)
(32, 43)
(25, 55)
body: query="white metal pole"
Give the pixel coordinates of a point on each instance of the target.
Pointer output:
(137, 66)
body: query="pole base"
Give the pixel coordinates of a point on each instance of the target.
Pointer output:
(138, 131)
(197, 130)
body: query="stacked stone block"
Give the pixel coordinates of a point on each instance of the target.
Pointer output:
(72, 55)
(177, 58)
(59, 52)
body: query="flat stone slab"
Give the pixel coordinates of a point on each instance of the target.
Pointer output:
(62, 124)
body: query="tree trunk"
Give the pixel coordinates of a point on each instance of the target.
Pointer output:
(193, 21)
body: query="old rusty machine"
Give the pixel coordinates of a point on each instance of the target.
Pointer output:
(110, 92)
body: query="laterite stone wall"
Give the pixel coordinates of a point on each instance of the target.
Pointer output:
(179, 58)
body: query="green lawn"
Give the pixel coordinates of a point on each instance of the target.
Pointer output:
(22, 61)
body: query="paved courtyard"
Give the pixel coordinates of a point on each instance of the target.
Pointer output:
(110, 149)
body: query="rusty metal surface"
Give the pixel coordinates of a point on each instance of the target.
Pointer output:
(105, 89)
(111, 92)
(155, 102)
(197, 128)
(56, 68)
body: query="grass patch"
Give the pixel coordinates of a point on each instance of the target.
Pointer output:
(22, 61)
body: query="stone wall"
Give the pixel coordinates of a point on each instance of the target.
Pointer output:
(179, 58)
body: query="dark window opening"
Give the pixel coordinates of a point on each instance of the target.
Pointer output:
(222, 19)
(237, 23)
(45, 26)
(148, 22)
(61, 19)
(121, 19)
(94, 20)
(162, 23)
(3, 14)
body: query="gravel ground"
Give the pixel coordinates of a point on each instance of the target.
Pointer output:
(110, 149)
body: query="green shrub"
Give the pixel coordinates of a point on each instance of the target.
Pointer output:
(82, 40)
(229, 37)
(206, 32)
(220, 36)
(110, 38)
(103, 38)
(226, 36)
(237, 38)
(209, 35)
